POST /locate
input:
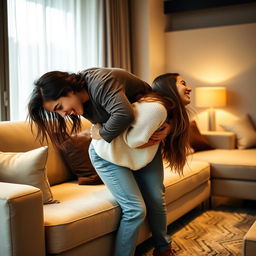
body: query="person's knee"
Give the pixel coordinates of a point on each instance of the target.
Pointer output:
(157, 204)
(142, 212)
(137, 211)
(157, 198)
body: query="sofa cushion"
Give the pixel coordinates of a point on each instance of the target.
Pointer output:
(196, 140)
(87, 212)
(26, 168)
(23, 140)
(83, 214)
(195, 174)
(244, 130)
(230, 164)
(75, 154)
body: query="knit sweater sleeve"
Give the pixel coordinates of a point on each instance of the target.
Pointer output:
(149, 116)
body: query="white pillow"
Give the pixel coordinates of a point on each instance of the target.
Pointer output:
(26, 168)
(244, 130)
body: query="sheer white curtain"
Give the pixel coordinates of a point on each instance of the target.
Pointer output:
(46, 35)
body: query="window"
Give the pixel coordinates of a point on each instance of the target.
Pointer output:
(45, 36)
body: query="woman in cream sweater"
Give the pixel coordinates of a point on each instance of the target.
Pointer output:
(133, 171)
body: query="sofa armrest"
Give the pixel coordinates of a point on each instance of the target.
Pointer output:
(21, 222)
(220, 139)
(249, 241)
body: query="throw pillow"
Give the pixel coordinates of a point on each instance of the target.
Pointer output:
(244, 130)
(197, 141)
(75, 154)
(27, 168)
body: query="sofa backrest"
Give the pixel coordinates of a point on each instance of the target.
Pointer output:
(17, 137)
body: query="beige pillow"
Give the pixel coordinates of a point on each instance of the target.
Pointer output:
(26, 168)
(244, 130)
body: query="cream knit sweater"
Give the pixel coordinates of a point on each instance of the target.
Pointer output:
(122, 150)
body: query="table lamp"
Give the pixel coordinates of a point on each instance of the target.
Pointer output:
(210, 97)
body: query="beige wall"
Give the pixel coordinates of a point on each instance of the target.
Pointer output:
(218, 56)
(213, 56)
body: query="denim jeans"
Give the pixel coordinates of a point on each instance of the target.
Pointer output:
(138, 193)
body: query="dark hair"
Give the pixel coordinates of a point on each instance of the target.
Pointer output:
(176, 144)
(51, 86)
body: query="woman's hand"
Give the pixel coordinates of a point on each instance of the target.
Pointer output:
(159, 135)
(95, 131)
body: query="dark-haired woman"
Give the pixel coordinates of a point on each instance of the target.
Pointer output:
(101, 95)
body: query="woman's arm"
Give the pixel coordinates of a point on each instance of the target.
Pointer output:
(111, 93)
(160, 134)
(149, 116)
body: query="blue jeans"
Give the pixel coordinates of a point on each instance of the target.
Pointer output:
(137, 193)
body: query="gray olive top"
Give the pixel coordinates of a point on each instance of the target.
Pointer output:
(111, 92)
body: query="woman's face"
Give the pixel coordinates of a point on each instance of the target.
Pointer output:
(72, 104)
(183, 90)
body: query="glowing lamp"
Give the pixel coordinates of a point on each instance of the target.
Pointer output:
(210, 97)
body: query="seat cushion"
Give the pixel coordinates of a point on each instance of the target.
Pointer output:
(83, 214)
(230, 164)
(87, 212)
(195, 174)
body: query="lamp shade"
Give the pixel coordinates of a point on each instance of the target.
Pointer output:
(210, 97)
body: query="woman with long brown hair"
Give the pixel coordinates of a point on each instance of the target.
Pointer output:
(127, 161)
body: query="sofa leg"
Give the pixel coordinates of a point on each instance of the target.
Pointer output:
(211, 202)
(205, 205)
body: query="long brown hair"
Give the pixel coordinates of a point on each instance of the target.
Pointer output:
(176, 144)
(52, 86)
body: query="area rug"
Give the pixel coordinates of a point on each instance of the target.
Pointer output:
(217, 232)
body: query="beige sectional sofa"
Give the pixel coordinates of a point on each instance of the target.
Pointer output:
(233, 174)
(233, 171)
(86, 218)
